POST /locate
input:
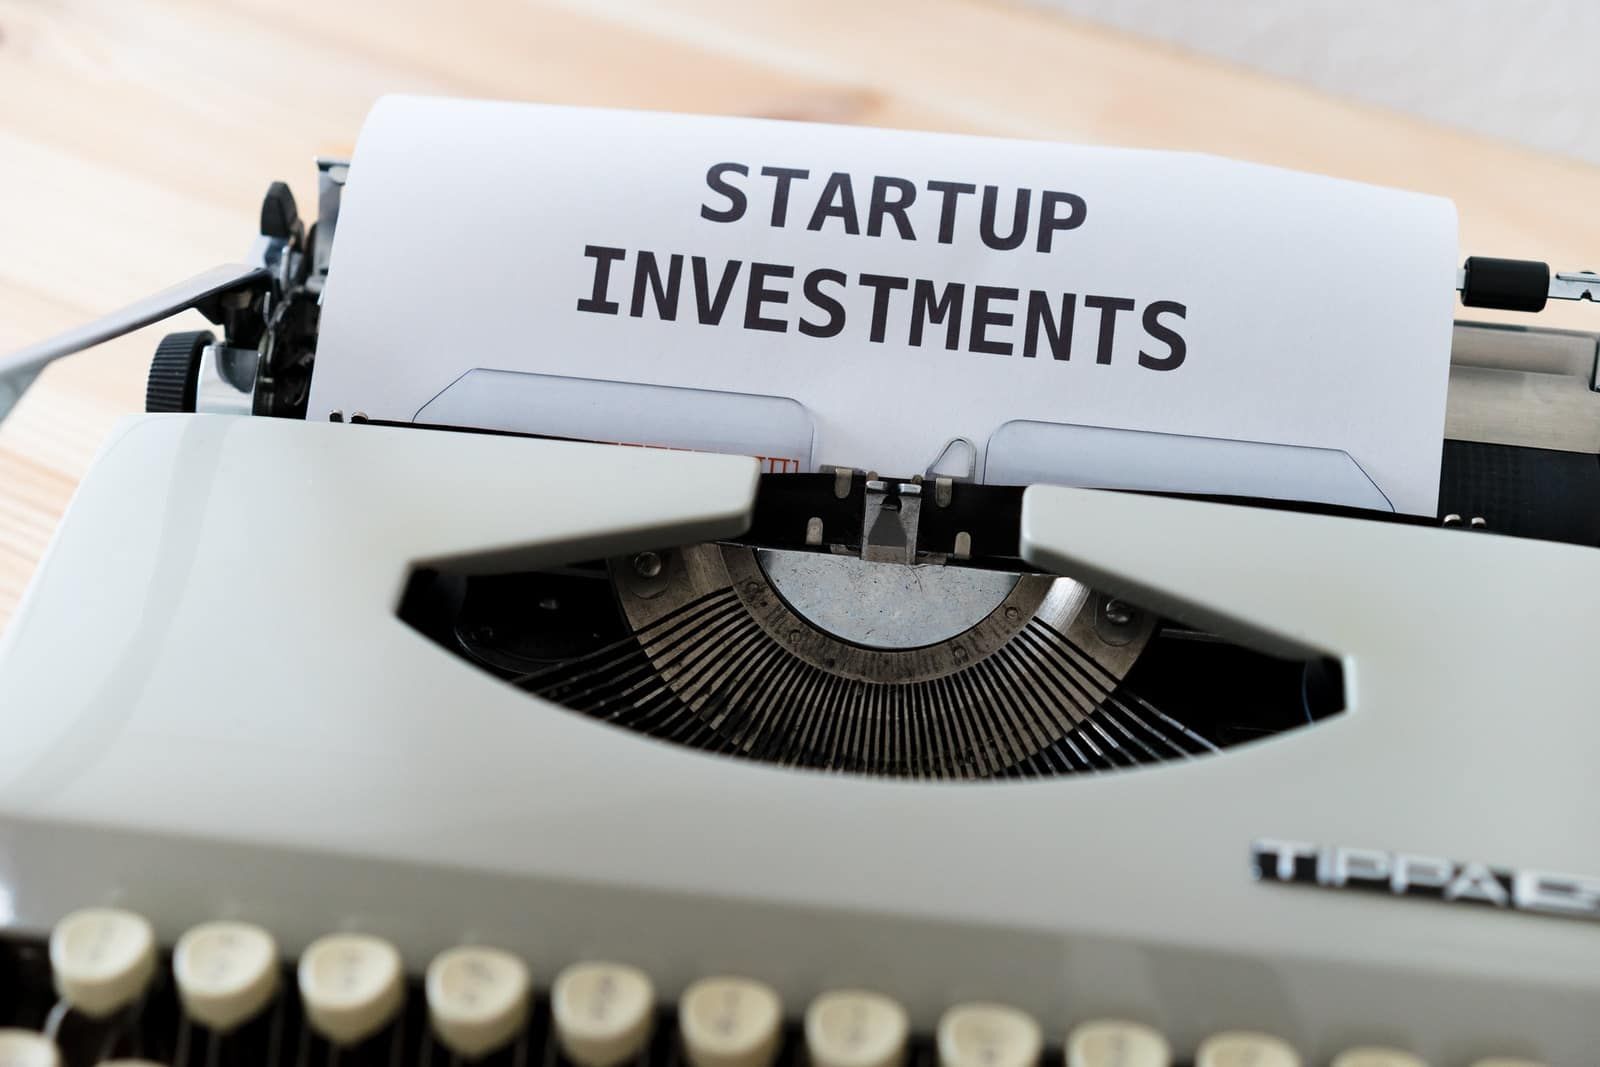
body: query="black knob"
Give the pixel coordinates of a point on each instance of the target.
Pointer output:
(279, 215)
(175, 370)
(1508, 284)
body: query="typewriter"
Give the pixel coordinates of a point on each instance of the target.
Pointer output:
(329, 742)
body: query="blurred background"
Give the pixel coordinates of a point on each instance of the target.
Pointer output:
(137, 136)
(1523, 71)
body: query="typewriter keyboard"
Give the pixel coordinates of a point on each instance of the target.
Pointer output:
(102, 991)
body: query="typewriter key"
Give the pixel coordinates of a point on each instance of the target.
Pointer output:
(730, 1022)
(603, 1013)
(477, 998)
(227, 972)
(853, 1028)
(351, 985)
(1114, 1043)
(103, 959)
(988, 1035)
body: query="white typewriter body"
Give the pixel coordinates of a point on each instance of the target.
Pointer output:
(209, 709)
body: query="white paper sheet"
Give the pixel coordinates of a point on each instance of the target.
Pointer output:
(1209, 298)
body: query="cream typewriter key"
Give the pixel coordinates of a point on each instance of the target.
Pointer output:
(730, 1022)
(24, 1048)
(1241, 1048)
(603, 1013)
(1376, 1057)
(477, 998)
(102, 959)
(854, 1028)
(227, 973)
(988, 1035)
(352, 985)
(1114, 1043)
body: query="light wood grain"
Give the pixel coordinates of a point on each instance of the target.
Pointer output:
(137, 136)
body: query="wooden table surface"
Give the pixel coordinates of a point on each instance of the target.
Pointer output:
(137, 136)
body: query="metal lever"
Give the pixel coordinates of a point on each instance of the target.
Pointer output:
(19, 369)
(1576, 285)
(889, 522)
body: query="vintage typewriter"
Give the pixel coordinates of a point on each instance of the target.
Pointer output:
(323, 742)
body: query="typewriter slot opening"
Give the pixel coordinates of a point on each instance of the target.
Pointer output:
(801, 652)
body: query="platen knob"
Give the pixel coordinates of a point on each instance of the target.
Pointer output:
(175, 371)
(477, 998)
(102, 959)
(227, 973)
(603, 1013)
(856, 1028)
(352, 985)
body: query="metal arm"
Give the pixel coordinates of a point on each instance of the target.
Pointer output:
(206, 291)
